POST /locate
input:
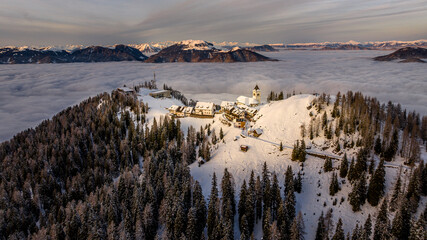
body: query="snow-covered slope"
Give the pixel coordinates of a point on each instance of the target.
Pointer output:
(280, 122)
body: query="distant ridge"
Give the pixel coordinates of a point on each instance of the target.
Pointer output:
(202, 51)
(409, 53)
(89, 54)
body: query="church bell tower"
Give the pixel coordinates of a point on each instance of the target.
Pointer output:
(256, 94)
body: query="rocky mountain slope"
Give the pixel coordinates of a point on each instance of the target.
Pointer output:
(404, 53)
(201, 51)
(13, 55)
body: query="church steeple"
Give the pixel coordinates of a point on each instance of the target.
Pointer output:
(256, 94)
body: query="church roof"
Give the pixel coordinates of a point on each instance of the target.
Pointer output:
(256, 87)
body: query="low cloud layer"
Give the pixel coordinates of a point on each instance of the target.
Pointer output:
(32, 93)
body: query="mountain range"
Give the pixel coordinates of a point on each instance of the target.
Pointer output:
(184, 51)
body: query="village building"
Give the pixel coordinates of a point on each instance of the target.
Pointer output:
(174, 109)
(239, 122)
(256, 132)
(250, 111)
(188, 111)
(161, 94)
(126, 90)
(251, 102)
(204, 109)
(226, 104)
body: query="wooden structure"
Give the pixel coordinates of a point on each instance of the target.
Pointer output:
(244, 148)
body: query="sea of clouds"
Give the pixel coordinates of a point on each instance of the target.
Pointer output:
(34, 92)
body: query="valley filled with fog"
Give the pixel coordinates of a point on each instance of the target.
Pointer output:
(31, 93)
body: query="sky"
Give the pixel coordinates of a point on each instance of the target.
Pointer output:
(101, 22)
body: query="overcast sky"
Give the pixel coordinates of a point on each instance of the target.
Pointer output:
(86, 22)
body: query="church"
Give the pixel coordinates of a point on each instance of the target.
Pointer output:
(251, 102)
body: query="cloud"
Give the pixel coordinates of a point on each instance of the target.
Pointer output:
(132, 21)
(32, 93)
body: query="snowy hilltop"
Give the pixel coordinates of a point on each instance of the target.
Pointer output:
(148, 163)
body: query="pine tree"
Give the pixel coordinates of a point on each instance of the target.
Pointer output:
(266, 194)
(275, 197)
(396, 195)
(344, 166)
(302, 153)
(242, 204)
(357, 196)
(281, 146)
(376, 186)
(418, 229)
(244, 228)
(339, 232)
(367, 228)
(297, 228)
(377, 147)
(351, 173)
(191, 231)
(228, 195)
(401, 222)
(382, 224)
(290, 207)
(298, 183)
(221, 134)
(334, 187)
(251, 203)
(213, 209)
(266, 225)
(259, 195)
(321, 231)
(327, 166)
(289, 180)
(371, 166)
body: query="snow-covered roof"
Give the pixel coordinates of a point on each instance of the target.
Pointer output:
(160, 91)
(174, 108)
(226, 104)
(125, 89)
(247, 100)
(188, 110)
(204, 105)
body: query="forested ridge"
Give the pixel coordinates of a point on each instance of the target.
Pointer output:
(96, 171)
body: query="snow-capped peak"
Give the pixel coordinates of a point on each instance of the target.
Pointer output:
(196, 45)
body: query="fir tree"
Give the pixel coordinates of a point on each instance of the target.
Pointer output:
(227, 189)
(367, 228)
(259, 195)
(321, 231)
(334, 187)
(382, 224)
(339, 232)
(344, 166)
(212, 220)
(242, 204)
(298, 183)
(351, 173)
(376, 186)
(266, 225)
(418, 229)
(244, 228)
(357, 196)
(221, 134)
(251, 203)
(401, 222)
(327, 166)
(297, 228)
(377, 147)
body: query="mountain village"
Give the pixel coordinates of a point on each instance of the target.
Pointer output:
(237, 113)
